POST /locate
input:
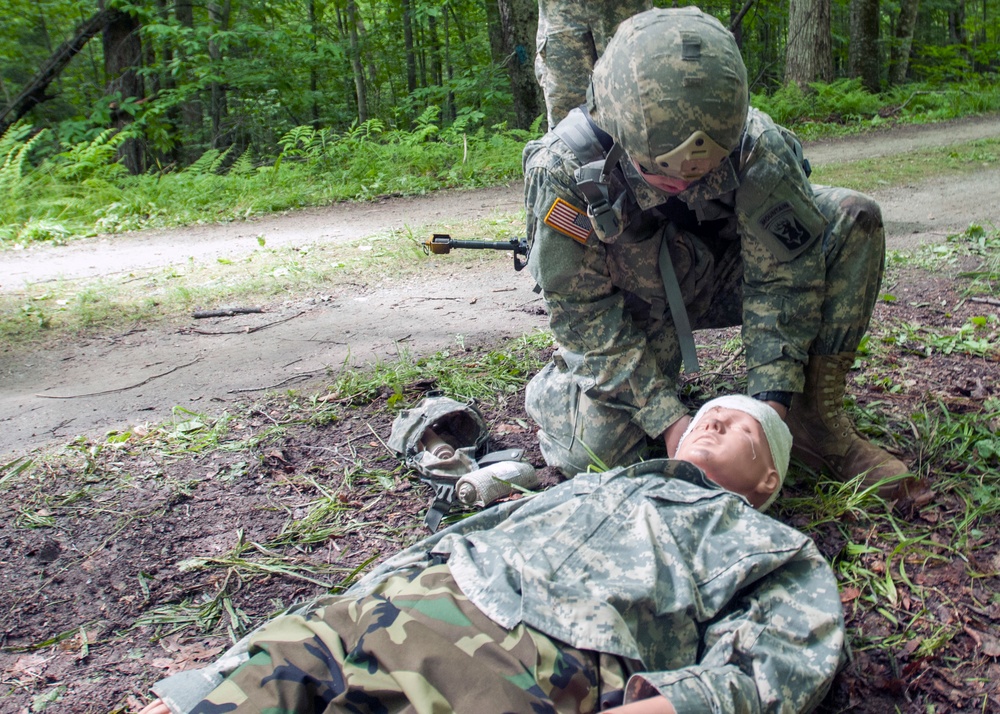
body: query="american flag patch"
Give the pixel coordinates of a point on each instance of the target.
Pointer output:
(568, 220)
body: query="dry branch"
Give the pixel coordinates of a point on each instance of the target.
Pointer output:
(120, 389)
(34, 92)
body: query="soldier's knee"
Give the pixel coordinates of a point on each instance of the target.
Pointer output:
(850, 209)
(863, 211)
(574, 456)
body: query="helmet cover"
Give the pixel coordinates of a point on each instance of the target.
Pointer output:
(671, 88)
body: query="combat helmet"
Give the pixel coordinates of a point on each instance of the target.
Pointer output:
(671, 88)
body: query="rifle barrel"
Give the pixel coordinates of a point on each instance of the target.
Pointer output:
(442, 243)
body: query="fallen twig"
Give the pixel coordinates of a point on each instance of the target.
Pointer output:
(380, 440)
(720, 370)
(225, 312)
(120, 389)
(987, 300)
(244, 330)
(282, 383)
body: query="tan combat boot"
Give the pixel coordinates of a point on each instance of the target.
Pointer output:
(824, 436)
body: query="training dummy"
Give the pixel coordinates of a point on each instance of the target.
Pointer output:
(658, 586)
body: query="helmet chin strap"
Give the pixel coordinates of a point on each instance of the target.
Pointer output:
(692, 159)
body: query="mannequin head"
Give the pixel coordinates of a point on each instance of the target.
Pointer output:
(742, 445)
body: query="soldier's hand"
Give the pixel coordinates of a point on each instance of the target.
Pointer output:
(780, 408)
(674, 432)
(155, 707)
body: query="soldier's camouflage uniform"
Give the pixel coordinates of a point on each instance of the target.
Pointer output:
(571, 36)
(752, 242)
(650, 575)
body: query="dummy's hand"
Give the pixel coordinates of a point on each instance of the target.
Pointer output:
(653, 705)
(674, 433)
(155, 707)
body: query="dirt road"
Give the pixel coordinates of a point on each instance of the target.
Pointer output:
(95, 384)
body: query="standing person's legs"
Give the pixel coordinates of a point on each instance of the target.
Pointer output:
(564, 61)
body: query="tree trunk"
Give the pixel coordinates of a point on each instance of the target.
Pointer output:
(494, 29)
(313, 72)
(863, 55)
(372, 70)
(956, 24)
(449, 104)
(191, 109)
(218, 108)
(519, 23)
(899, 59)
(122, 60)
(411, 60)
(34, 91)
(356, 67)
(736, 15)
(809, 55)
(435, 51)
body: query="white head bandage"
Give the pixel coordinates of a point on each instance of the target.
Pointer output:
(779, 439)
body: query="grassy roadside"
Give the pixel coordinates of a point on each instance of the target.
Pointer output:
(47, 312)
(53, 311)
(921, 165)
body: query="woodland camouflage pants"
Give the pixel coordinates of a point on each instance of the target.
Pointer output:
(416, 644)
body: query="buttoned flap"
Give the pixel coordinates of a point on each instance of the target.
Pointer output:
(677, 490)
(586, 483)
(774, 202)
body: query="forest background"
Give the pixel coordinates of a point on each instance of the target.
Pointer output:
(123, 115)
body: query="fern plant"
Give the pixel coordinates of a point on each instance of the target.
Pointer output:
(94, 158)
(16, 145)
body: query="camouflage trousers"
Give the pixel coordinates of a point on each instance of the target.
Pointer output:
(415, 644)
(576, 431)
(571, 36)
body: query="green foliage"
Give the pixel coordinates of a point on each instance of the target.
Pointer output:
(487, 376)
(83, 189)
(844, 106)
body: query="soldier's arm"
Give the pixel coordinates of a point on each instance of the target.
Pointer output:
(587, 316)
(784, 264)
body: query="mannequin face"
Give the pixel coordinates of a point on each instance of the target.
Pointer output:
(730, 447)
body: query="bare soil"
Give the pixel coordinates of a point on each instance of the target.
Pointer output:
(93, 541)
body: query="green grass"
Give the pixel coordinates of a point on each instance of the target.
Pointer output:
(915, 166)
(49, 311)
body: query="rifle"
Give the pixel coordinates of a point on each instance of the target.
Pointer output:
(442, 243)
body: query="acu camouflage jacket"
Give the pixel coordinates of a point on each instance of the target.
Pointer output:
(759, 200)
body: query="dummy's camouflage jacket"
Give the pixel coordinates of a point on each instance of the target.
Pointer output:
(760, 201)
(710, 603)
(719, 607)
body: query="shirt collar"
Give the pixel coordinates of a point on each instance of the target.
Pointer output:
(717, 182)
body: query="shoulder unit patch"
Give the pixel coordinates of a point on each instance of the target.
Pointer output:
(782, 223)
(569, 220)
